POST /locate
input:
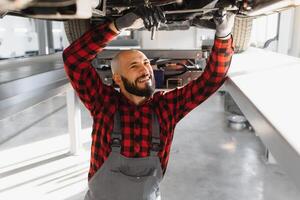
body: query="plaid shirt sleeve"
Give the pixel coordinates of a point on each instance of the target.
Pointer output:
(182, 100)
(82, 75)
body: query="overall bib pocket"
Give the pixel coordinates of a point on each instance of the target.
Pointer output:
(133, 187)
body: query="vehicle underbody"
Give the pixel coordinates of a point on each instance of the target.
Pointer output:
(180, 14)
(175, 10)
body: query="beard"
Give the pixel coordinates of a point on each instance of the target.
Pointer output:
(135, 90)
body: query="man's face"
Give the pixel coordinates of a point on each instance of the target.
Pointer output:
(137, 74)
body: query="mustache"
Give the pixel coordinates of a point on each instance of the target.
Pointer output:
(143, 76)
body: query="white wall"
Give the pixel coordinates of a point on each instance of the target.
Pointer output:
(17, 35)
(286, 31)
(181, 39)
(59, 35)
(265, 28)
(295, 46)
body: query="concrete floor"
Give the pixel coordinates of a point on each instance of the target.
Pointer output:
(208, 161)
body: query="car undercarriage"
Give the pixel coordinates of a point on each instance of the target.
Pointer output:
(79, 15)
(175, 10)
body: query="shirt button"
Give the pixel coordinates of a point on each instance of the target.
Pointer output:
(137, 148)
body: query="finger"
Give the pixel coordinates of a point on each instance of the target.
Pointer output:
(231, 18)
(156, 17)
(161, 15)
(139, 11)
(150, 17)
(147, 22)
(231, 15)
(220, 15)
(218, 20)
(223, 13)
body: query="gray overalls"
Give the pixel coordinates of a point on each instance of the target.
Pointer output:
(122, 178)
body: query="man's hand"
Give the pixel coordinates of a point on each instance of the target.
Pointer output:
(224, 23)
(143, 16)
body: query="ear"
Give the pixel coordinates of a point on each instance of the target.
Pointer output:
(117, 79)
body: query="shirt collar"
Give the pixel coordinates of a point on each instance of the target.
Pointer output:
(128, 102)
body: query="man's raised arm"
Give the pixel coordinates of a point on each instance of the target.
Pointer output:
(78, 56)
(77, 62)
(183, 100)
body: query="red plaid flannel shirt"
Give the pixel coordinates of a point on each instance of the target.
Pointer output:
(102, 100)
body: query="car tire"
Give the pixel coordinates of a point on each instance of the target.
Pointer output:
(75, 28)
(241, 33)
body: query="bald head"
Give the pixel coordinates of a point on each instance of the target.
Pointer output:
(125, 57)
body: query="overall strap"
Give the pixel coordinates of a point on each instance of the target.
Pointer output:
(155, 142)
(116, 136)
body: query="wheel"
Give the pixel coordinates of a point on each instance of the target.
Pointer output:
(75, 28)
(242, 33)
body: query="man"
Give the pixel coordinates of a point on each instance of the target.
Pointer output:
(133, 129)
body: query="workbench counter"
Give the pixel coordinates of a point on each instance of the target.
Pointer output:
(266, 86)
